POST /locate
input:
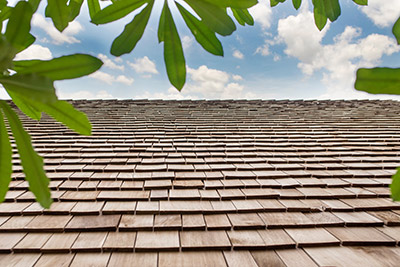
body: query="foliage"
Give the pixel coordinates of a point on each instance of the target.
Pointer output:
(30, 83)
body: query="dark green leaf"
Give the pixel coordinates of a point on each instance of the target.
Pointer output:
(332, 9)
(319, 14)
(66, 67)
(75, 8)
(132, 33)
(36, 87)
(3, 3)
(31, 162)
(173, 52)
(94, 7)
(5, 13)
(34, 4)
(59, 12)
(7, 53)
(378, 81)
(243, 16)
(296, 4)
(213, 16)
(275, 2)
(19, 25)
(24, 106)
(233, 3)
(396, 30)
(361, 2)
(117, 10)
(204, 36)
(395, 186)
(5, 159)
(160, 32)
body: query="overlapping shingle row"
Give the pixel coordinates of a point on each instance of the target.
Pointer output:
(237, 183)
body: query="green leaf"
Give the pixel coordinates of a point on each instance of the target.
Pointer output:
(332, 9)
(7, 53)
(213, 16)
(378, 81)
(132, 33)
(31, 162)
(75, 8)
(275, 2)
(395, 186)
(173, 52)
(38, 88)
(3, 3)
(160, 32)
(117, 10)
(19, 25)
(59, 12)
(66, 67)
(34, 4)
(319, 14)
(204, 36)
(24, 106)
(5, 159)
(296, 4)
(396, 30)
(233, 3)
(361, 2)
(243, 16)
(5, 13)
(94, 7)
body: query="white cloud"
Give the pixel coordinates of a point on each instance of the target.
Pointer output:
(108, 63)
(262, 14)
(237, 54)
(144, 65)
(382, 12)
(3, 93)
(110, 79)
(339, 60)
(35, 52)
(58, 38)
(187, 42)
(102, 94)
(237, 77)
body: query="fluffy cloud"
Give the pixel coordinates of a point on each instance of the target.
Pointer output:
(262, 14)
(110, 79)
(102, 94)
(187, 42)
(108, 63)
(58, 38)
(339, 60)
(35, 52)
(382, 13)
(144, 65)
(237, 54)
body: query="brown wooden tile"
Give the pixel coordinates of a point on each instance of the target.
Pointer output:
(50, 260)
(167, 222)
(93, 222)
(60, 242)
(9, 240)
(295, 258)
(276, 238)
(87, 208)
(191, 259)
(138, 258)
(93, 259)
(193, 222)
(246, 221)
(204, 240)
(48, 223)
(312, 237)
(246, 239)
(159, 240)
(361, 236)
(358, 219)
(120, 241)
(285, 219)
(32, 242)
(217, 222)
(136, 222)
(119, 207)
(19, 260)
(89, 242)
(267, 258)
(239, 258)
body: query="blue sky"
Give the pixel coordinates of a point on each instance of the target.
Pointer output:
(283, 56)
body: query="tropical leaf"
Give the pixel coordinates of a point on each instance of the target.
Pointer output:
(396, 30)
(296, 4)
(320, 17)
(213, 16)
(132, 33)
(94, 7)
(160, 32)
(5, 159)
(233, 3)
(395, 186)
(66, 67)
(38, 88)
(75, 8)
(24, 106)
(378, 81)
(243, 16)
(332, 9)
(204, 36)
(7, 53)
(34, 4)
(116, 11)
(361, 2)
(19, 25)
(31, 162)
(59, 12)
(173, 52)
(275, 2)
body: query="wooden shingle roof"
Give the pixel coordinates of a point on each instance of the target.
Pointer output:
(211, 183)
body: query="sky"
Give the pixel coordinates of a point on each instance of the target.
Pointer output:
(283, 56)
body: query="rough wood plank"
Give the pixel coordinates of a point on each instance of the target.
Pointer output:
(32, 242)
(90, 259)
(312, 237)
(246, 221)
(159, 240)
(217, 222)
(267, 258)
(129, 259)
(120, 241)
(358, 219)
(93, 222)
(204, 240)
(60, 242)
(239, 259)
(48, 223)
(89, 242)
(285, 219)
(19, 260)
(276, 238)
(361, 236)
(191, 259)
(9, 240)
(119, 207)
(51, 260)
(246, 239)
(295, 258)
(136, 222)
(193, 222)
(87, 208)
(167, 222)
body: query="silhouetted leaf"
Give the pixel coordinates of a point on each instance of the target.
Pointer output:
(117, 10)
(378, 81)
(66, 67)
(204, 36)
(59, 12)
(396, 30)
(395, 186)
(5, 159)
(213, 16)
(173, 52)
(132, 33)
(31, 162)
